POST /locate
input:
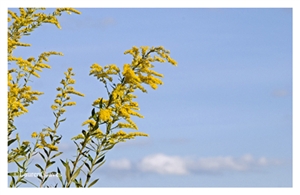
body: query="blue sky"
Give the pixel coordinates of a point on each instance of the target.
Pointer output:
(223, 117)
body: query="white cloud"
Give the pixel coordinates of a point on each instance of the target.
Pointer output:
(162, 164)
(123, 164)
(176, 165)
(222, 163)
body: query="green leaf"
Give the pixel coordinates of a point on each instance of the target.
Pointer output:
(95, 181)
(62, 120)
(42, 156)
(49, 163)
(91, 149)
(110, 100)
(52, 173)
(87, 165)
(109, 147)
(46, 179)
(12, 182)
(96, 126)
(87, 179)
(95, 117)
(78, 148)
(56, 155)
(68, 171)
(90, 158)
(58, 139)
(98, 166)
(46, 152)
(11, 141)
(76, 173)
(24, 164)
(39, 177)
(60, 177)
(100, 160)
(62, 163)
(93, 112)
(51, 137)
(39, 166)
(78, 185)
(12, 174)
(19, 165)
(100, 103)
(32, 184)
(22, 181)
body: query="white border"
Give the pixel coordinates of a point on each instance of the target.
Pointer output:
(170, 4)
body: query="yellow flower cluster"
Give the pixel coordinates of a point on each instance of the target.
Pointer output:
(122, 136)
(19, 98)
(41, 143)
(120, 105)
(105, 114)
(102, 73)
(141, 64)
(62, 98)
(20, 94)
(130, 76)
(28, 20)
(89, 122)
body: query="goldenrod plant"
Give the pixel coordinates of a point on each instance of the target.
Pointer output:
(109, 115)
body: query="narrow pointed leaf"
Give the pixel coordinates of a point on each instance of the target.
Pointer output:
(100, 160)
(19, 165)
(93, 112)
(63, 162)
(90, 158)
(56, 155)
(95, 181)
(12, 182)
(39, 166)
(49, 163)
(87, 165)
(62, 120)
(68, 171)
(60, 177)
(46, 152)
(76, 173)
(11, 141)
(87, 179)
(23, 181)
(98, 166)
(100, 103)
(51, 137)
(43, 157)
(39, 177)
(46, 179)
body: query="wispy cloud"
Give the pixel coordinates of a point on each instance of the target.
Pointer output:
(122, 164)
(163, 164)
(175, 165)
(228, 163)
